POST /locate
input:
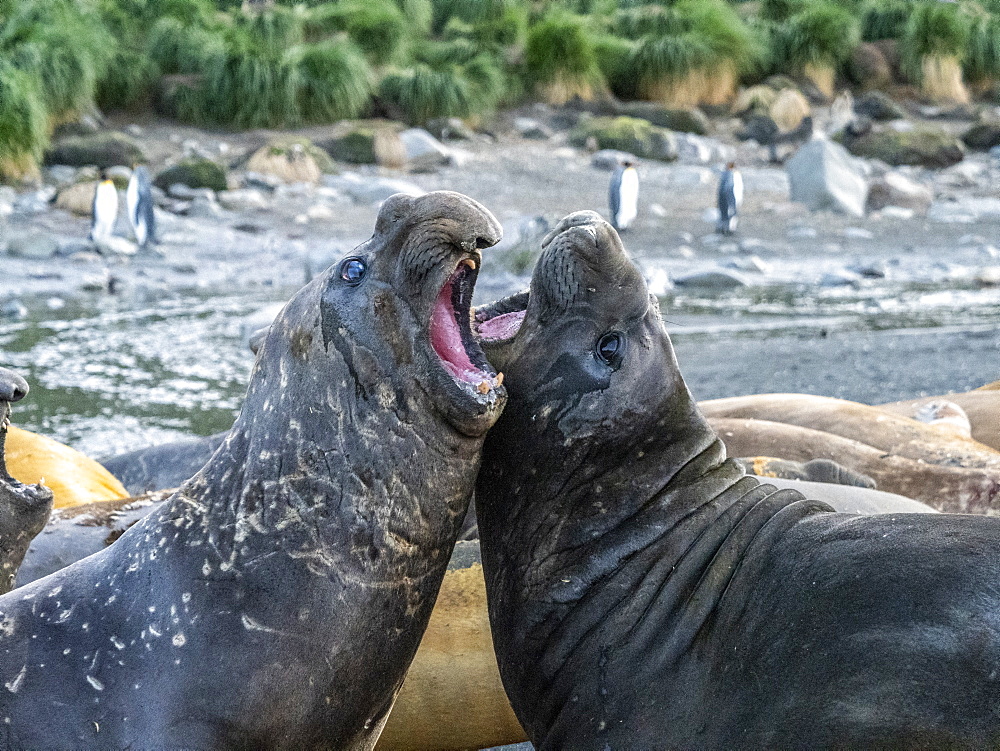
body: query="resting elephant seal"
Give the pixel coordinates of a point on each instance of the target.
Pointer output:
(644, 593)
(73, 477)
(981, 406)
(24, 509)
(276, 600)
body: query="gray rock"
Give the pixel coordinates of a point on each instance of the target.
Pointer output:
(716, 279)
(260, 181)
(34, 244)
(609, 159)
(120, 174)
(13, 309)
(856, 233)
(60, 174)
(246, 199)
(965, 210)
(203, 207)
(72, 246)
(982, 136)
(753, 264)
(632, 134)
(532, 129)
(684, 120)
(424, 151)
(926, 146)
(692, 149)
(186, 193)
(822, 175)
(876, 270)
(450, 129)
(878, 106)
(897, 212)
(103, 150)
(34, 201)
(802, 232)
(894, 189)
(370, 189)
(840, 278)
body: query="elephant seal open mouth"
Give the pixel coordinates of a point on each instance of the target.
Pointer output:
(24, 509)
(643, 593)
(278, 597)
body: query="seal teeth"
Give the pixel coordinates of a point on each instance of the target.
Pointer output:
(500, 379)
(468, 262)
(483, 387)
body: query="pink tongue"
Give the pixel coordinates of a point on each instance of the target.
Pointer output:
(502, 327)
(447, 340)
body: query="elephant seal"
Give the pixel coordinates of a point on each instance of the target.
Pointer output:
(644, 593)
(165, 465)
(24, 509)
(276, 600)
(73, 477)
(981, 406)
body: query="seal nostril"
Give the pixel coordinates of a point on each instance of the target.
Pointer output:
(19, 393)
(482, 243)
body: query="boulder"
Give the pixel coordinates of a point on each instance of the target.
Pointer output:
(632, 134)
(103, 150)
(754, 101)
(822, 175)
(893, 189)
(684, 120)
(789, 109)
(868, 68)
(368, 142)
(291, 160)
(245, 199)
(982, 136)
(449, 129)
(609, 159)
(35, 244)
(719, 279)
(532, 129)
(877, 106)
(423, 151)
(195, 173)
(77, 199)
(922, 146)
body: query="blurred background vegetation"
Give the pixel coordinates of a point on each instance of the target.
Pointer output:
(249, 64)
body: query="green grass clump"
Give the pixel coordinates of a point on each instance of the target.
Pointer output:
(560, 60)
(614, 58)
(178, 47)
(884, 19)
(378, 27)
(781, 10)
(699, 59)
(982, 59)
(933, 46)
(821, 34)
(645, 20)
(334, 81)
(23, 121)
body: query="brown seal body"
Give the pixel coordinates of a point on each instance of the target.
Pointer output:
(981, 406)
(943, 469)
(278, 597)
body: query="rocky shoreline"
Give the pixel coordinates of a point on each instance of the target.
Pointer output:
(889, 247)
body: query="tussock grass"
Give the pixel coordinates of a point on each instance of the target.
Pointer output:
(934, 44)
(378, 27)
(423, 93)
(334, 81)
(23, 122)
(982, 59)
(560, 59)
(884, 19)
(815, 41)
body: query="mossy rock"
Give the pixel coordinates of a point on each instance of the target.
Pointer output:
(103, 150)
(684, 120)
(195, 173)
(982, 136)
(292, 160)
(635, 135)
(879, 106)
(292, 146)
(924, 147)
(368, 143)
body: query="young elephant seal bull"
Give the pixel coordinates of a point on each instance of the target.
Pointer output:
(644, 594)
(277, 599)
(24, 509)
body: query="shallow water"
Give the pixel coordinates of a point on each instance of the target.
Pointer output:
(111, 374)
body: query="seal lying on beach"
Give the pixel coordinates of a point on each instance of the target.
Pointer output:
(24, 509)
(644, 593)
(276, 600)
(981, 406)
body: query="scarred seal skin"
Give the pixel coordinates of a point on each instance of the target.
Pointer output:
(645, 594)
(24, 509)
(276, 600)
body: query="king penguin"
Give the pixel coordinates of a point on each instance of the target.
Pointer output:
(139, 200)
(730, 197)
(104, 209)
(623, 195)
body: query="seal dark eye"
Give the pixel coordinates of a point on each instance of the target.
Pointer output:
(610, 348)
(352, 270)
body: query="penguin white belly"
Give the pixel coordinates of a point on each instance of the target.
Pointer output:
(134, 216)
(105, 211)
(628, 206)
(738, 188)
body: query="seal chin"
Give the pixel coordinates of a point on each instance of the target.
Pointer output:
(471, 381)
(28, 495)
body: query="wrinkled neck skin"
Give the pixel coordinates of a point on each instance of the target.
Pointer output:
(582, 538)
(349, 468)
